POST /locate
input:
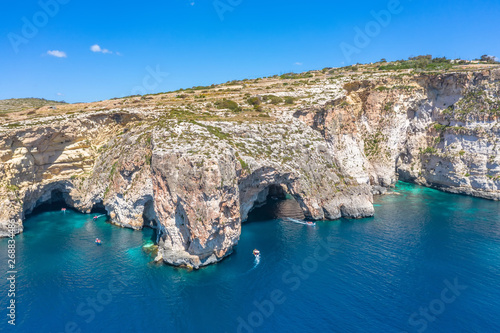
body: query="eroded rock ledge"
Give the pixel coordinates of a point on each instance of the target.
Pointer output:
(197, 180)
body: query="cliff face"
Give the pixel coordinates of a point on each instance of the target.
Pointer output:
(195, 174)
(440, 131)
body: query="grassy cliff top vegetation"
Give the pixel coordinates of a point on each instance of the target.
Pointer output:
(247, 99)
(22, 104)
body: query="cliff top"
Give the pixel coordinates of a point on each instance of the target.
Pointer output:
(26, 104)
(240, 100)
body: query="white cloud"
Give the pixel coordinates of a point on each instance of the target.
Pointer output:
(60, 94)
(96, 48)
(57, 54)
(298, 63)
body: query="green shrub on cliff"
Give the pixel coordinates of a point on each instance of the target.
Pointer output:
(227, 104)
(254, 101)
(296, 76)
(148, 159)
(272, 99)
(244, 165)
(423, 62)
(429, 150)
(13, 188)
(440, 128)
(113, 170)
(389, 107)
(372, 147)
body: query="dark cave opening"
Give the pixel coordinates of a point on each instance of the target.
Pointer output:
(99, 208)
(56, 201)
(150, 220)
(276, 204)
(149, 215)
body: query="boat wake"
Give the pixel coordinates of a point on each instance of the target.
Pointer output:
(289, 219)
(256, 261)
(231, 277)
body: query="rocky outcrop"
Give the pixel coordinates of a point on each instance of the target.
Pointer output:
(208, 178)
(439, 131)
(195, 179)
(197, 202)
(196, 187)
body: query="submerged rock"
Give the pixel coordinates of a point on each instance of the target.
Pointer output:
(379, 190)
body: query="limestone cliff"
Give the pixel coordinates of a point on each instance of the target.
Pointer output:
(193, 167)
(438, 130)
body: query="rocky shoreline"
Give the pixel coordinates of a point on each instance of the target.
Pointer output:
(194, 171)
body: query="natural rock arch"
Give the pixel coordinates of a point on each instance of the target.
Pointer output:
(274, 202)
(149, 215)
(49, 197)
(255, 189)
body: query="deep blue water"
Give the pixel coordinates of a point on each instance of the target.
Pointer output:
(376, 275)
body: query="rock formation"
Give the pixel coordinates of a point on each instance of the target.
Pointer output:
(194, 171)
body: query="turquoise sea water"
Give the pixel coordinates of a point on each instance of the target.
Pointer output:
(390, 273)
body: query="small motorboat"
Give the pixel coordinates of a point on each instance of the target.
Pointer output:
(63, 209)
(98, 241)
(96, 217)
(256, 252)
(312, 224)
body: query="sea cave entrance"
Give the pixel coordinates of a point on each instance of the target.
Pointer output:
(51, 200)
(150, 220)
(99, 208)
(149, 215)
(54, 197)
(275, 203)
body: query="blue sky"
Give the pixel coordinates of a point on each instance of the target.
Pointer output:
(197, 44)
